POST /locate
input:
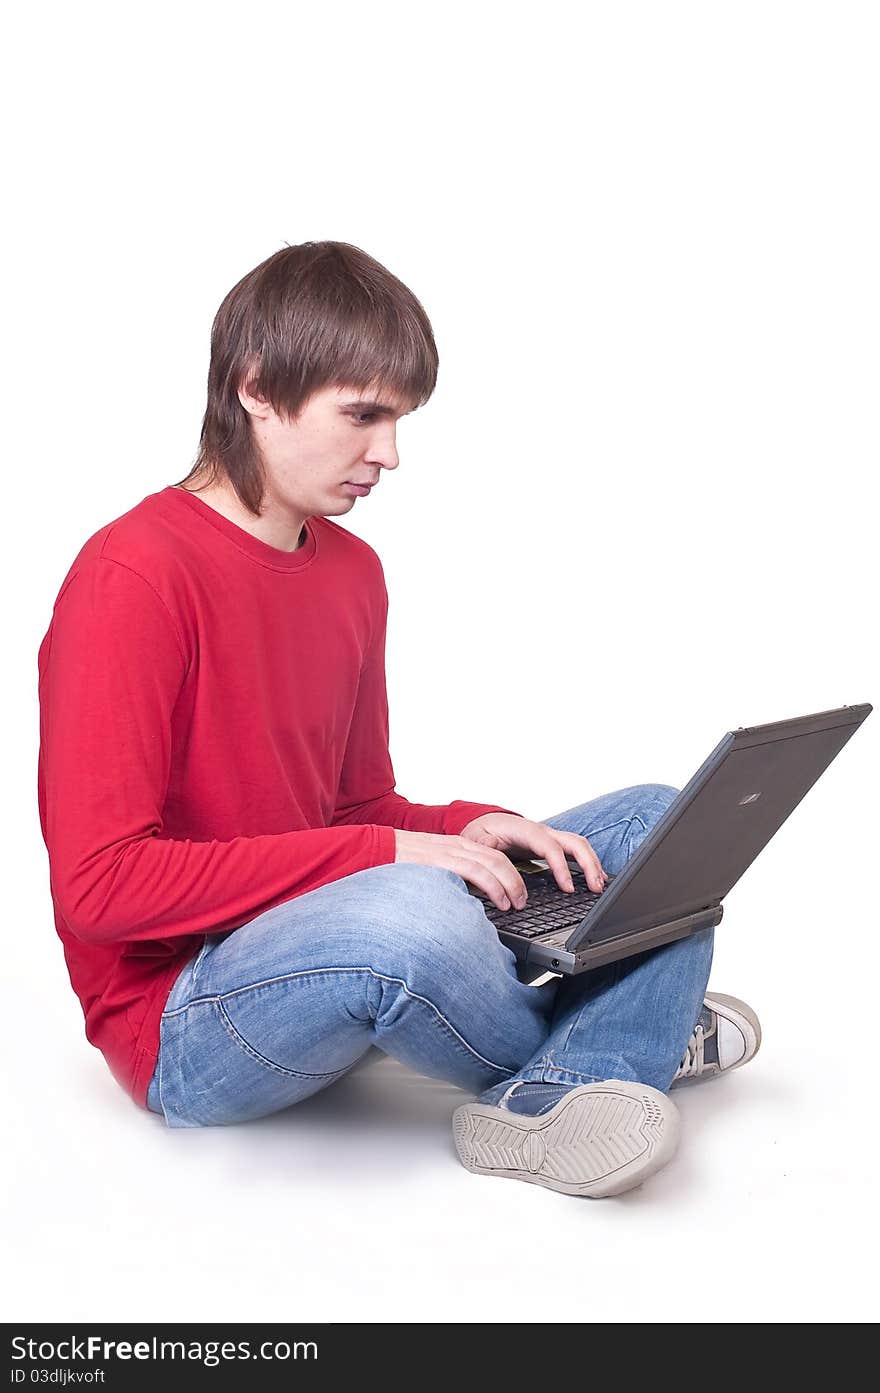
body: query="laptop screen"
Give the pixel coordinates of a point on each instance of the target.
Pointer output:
(712, 832)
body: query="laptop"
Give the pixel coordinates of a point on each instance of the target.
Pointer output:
(673, 885)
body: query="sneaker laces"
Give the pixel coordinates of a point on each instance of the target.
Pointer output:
(692, 1059)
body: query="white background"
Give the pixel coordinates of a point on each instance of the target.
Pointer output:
(639, 511)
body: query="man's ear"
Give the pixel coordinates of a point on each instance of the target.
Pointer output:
(255, 406)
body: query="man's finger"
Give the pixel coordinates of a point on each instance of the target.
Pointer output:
(582, 852)
(502, 870)
(555, 858)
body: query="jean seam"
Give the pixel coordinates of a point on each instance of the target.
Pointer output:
(551, 1069)
(220, 997)
(198, 959)
(159, 1071)
(605, 827)
(261, 1058)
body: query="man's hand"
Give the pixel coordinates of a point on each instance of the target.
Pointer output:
(477, 854)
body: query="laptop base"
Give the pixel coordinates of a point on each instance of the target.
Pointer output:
(548, 956)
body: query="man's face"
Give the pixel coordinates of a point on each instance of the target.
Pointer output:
(343, 436)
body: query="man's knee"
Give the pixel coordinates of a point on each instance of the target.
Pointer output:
(418, 914)
(654, 799)
(406, 889)
(646, 802)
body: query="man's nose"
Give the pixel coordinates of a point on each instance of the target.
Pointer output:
(384, 453)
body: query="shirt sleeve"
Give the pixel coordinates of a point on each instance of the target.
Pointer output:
(110, 671)
(366, 787)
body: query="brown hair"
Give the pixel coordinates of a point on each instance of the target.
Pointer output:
(316, 315)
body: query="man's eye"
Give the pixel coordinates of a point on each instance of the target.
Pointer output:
(365, 416)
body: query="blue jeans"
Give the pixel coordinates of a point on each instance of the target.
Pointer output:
(403, 957)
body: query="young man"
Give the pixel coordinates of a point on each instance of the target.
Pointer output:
(246, 904)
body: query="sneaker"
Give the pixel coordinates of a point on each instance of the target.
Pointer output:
(593, 1140)
(727, 1035)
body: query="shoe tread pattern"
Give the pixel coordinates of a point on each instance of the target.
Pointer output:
(594, 1140)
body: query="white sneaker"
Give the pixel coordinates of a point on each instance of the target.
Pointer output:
(598, 1139)
(727, 1035)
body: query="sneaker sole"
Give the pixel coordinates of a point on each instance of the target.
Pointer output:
(599, 1140)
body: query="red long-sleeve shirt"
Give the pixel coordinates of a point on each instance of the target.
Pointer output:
(213, 742)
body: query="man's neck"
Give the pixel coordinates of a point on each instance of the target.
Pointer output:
(226, 502)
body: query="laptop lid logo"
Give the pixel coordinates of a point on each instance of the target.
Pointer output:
(749, 798)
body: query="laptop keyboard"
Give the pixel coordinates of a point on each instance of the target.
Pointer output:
(547, 909)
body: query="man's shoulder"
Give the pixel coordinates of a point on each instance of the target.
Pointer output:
(156, 540)
(349, 547)
(138, 540)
